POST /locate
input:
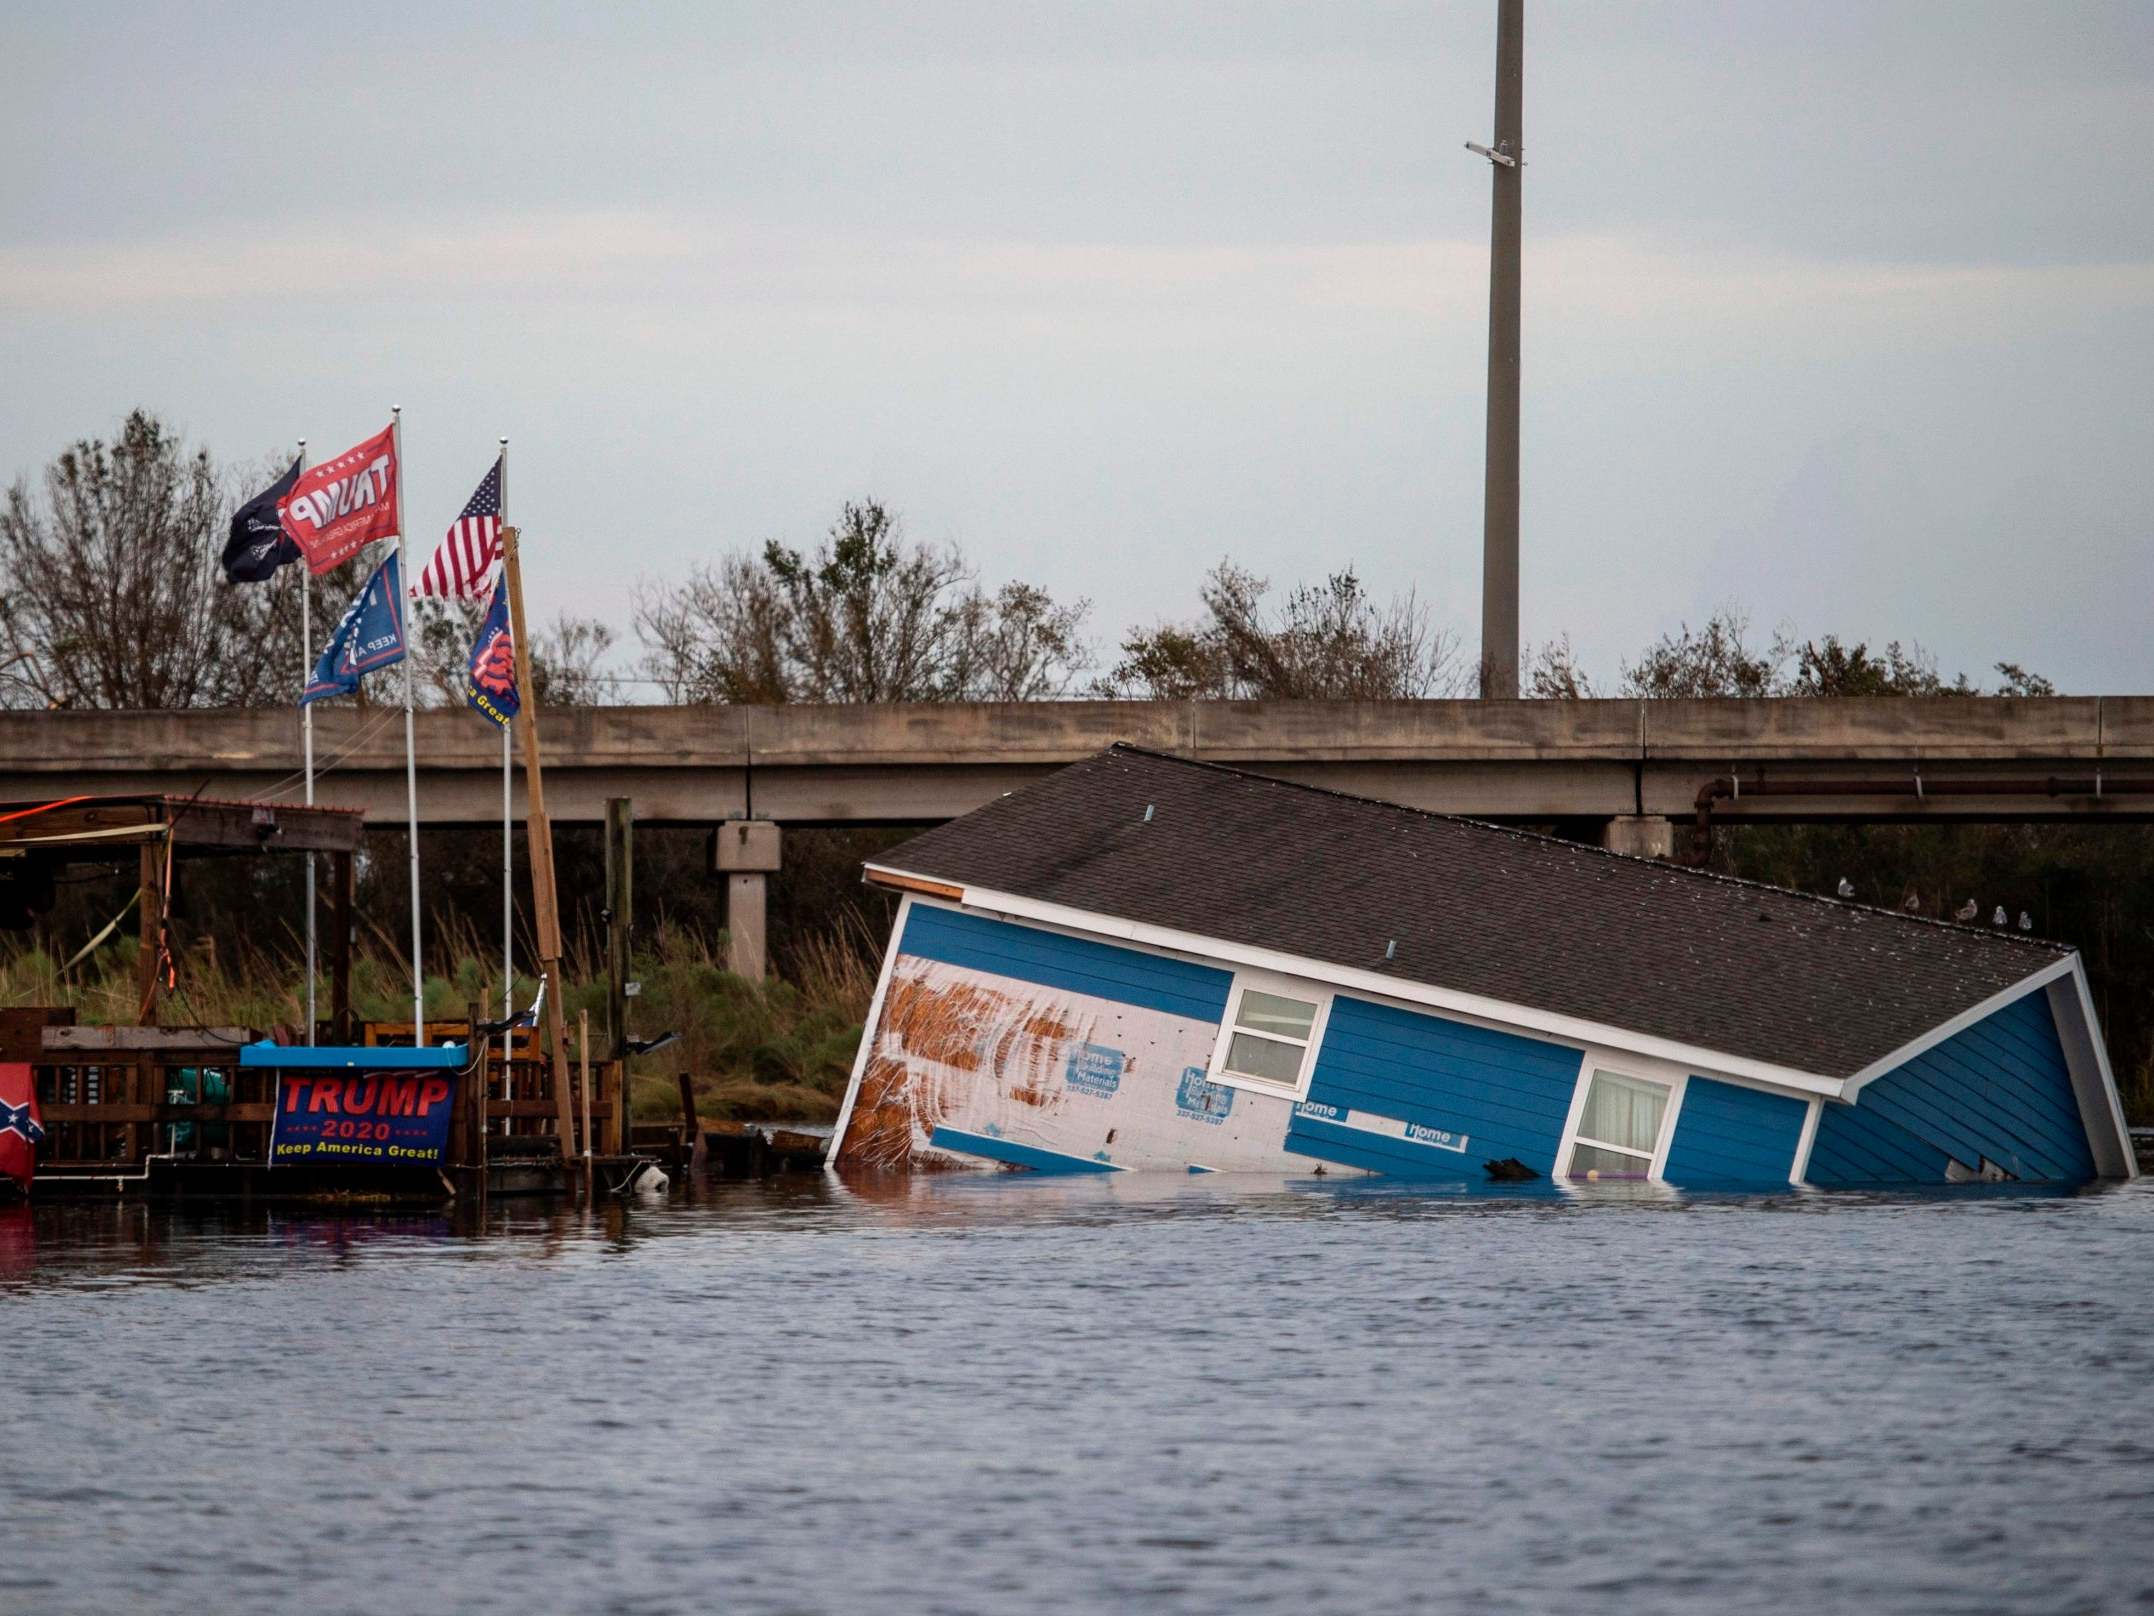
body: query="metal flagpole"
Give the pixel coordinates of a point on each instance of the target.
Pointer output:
(508, 856)
(411, 759)
(306, 745)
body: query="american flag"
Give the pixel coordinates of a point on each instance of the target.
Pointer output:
(472, 545)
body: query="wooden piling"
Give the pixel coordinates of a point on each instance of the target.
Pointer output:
(688, 1109)
(340, 946)
(620, 926)
(583, 1051)
(545, 898)
(151, 907)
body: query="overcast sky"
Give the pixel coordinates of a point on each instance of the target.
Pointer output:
(1840, 312)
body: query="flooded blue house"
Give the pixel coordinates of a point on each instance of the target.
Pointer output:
(1143, 962)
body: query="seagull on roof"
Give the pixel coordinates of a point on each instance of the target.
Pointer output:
(1999, 917)
(1912, 903)
(1966, 912)
(1847, 887)
(2026, 921)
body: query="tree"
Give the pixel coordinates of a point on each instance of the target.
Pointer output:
(1327, 642)
(1552, 673)
(1715, 660)
(1020, 645)
(567, 659)
(1828, 667)
(866, 617)
(113, 596)
(2015, 680)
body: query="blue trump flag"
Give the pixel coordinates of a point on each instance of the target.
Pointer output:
(490, 677)
(370, 635)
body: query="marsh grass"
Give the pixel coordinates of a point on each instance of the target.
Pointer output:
(779, 1050)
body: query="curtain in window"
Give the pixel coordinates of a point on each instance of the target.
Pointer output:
(1623, 1111)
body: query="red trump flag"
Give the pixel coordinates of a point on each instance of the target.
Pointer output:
(343, 505)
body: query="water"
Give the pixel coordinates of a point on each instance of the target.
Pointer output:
(1002, 1394)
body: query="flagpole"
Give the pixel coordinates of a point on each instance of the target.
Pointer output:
(306, 731)
(508, 856)
(411, 758)
(545, 901)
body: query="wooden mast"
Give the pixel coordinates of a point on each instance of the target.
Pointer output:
(539, 833)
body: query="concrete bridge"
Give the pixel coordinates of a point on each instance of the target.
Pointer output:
(1640, 764)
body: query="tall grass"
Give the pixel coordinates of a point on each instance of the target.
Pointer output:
(769, 1051)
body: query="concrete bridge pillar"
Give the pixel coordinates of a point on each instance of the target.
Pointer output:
(1640, 835)
(747, 853)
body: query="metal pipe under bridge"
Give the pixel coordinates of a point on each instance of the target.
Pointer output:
(1638, 768)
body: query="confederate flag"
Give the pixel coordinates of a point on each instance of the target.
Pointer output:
(20, 1131)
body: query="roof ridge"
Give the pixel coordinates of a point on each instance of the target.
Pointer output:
(2045, 945)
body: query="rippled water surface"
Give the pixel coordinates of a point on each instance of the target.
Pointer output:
(1009, 1394)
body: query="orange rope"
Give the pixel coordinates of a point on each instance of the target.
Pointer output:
(41, 808)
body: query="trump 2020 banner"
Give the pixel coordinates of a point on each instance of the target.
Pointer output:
(341, 506)
(396, 1117)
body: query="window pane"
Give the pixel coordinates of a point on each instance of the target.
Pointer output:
(1268, 1012)
(1623, 1111)
(1265, 1058)
(1606, 1163)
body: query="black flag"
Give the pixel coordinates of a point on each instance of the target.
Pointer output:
(258, 545)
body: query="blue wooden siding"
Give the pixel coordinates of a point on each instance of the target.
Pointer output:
(1855, 1146)
(1509, 1095)
(993, 1147)
(1103, 970)
(1999, 1090)
(1727, 1134)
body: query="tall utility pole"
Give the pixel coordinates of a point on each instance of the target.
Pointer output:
(1499, 500)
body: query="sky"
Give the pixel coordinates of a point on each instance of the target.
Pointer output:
(1840, 314)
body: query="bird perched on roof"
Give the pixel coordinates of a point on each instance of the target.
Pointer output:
(1998, 918)
(1847, 887)
(1912, 903)
(2026, 921)
(1966, 912)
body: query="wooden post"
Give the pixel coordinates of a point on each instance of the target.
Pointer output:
(152, 907)
(688, 1109)
(545, 899)
(462, 1152)
(583, 1054)
(621, 908)
(472, 1102)
(340, 947)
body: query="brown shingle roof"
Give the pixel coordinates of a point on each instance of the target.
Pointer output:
(1750, 970)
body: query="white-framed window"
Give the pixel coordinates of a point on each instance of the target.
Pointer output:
(1621, 1122)
(1269, 1038)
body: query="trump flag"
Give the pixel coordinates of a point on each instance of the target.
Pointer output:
(343, 505)
(370, 635)
(490, 680)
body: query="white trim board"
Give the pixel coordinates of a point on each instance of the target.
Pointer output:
(1494, 1012)
(2086, 1056)
(1805, 1142)
(868, 1031)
